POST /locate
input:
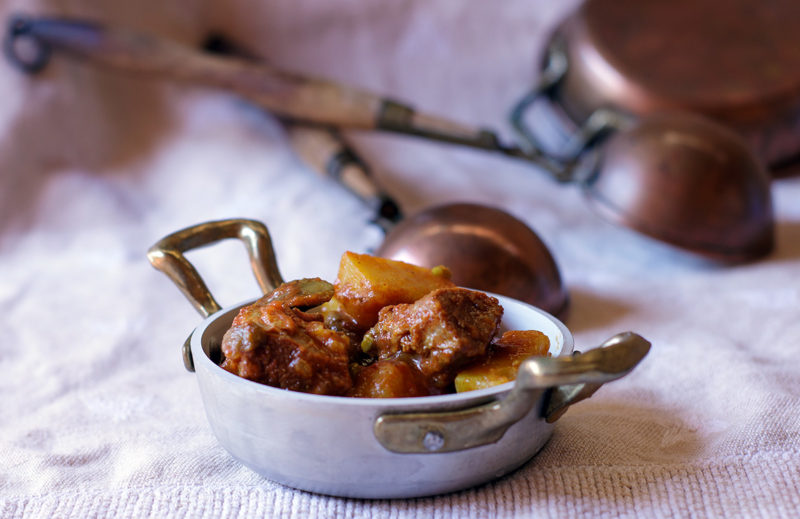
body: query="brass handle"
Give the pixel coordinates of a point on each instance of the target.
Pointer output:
(167, 255)
(568, 379)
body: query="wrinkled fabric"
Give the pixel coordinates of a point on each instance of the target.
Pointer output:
(99, 418)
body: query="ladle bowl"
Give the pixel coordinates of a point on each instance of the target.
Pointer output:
(688, 181)
(486, 248)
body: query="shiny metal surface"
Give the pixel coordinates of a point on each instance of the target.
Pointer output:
(286, 436)
(687, 181)
(580, 374)
(486, 249)
(678, 177)
(734, 61)
(289, 437)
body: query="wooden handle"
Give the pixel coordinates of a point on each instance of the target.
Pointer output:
(324, 149)
(327, 153)
(283, 93)
(286, 94)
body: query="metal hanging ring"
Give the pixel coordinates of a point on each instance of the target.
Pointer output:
(556, 65)
(31, 59)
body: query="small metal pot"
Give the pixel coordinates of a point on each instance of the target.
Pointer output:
(380, 448)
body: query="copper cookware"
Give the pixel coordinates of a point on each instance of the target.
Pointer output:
(484, 247)
(733, 227)
(696, 94)
(733, 61)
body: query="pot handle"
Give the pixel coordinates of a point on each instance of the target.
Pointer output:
(566, 380)
(167, 255)
(554, 70)
(598, 124)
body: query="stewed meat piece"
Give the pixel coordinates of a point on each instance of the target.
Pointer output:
(442, 332)
(397, 377)
(275, 342)
(300, 293)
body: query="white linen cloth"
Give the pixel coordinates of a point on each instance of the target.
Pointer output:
(98, 417)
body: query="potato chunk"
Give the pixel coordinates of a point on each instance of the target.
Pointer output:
(390, 378)
(365, 284)
(502, 363)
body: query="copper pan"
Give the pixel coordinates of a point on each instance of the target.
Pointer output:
(733, 61)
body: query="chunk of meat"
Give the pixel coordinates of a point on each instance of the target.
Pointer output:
(442, 332)
(274, 343)
(300, 293)
(390, 378)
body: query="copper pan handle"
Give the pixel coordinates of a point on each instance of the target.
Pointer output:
(284, 93)
(567, 166)
(555, 68)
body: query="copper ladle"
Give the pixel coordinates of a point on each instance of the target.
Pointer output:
(677, 178)
(484, 247)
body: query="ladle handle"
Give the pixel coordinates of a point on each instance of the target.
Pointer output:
(287, 94)
(167, 255)
(566, 380)
(119, 48)
(326, 152)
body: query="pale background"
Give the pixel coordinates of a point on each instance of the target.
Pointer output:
(98, 417)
